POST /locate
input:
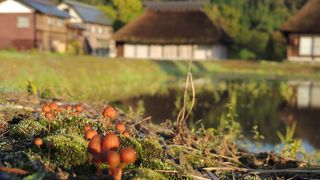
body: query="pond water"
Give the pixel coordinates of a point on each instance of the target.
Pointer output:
(270, 105)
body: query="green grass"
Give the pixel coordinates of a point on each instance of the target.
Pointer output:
(101, 79)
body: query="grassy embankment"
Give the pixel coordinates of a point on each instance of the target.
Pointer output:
(95, 78)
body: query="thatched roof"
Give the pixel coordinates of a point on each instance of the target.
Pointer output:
(171, 26)
(306, 20)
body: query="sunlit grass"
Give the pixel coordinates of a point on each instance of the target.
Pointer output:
(99, 79)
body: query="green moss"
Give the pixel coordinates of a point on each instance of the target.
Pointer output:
(143, 173)
(67, 150)
(73, 124)
(151, 149)
(28, 128)
(157, 164)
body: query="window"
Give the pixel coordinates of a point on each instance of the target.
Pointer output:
(316, 46)
(142, 51)
(50, 21)
(185, 51)
(305, 47)
(129, 50)
(60, 22)
(170, 52)
(100, 31)
(156, 51)
(23, 22)
(93, 29)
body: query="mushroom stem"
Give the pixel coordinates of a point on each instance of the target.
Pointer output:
(122, 166)
(116, 173)
(98, 170)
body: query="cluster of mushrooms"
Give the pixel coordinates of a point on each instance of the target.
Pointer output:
(103, 149)
(52, 109)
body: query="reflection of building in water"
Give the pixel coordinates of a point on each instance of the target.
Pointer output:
(307, 94)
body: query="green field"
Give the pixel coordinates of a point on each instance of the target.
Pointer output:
(101, 79)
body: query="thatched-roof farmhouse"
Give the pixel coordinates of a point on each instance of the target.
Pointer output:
(303, 33)
(172, 30)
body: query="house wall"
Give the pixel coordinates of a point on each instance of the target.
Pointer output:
(175, 52)
(99, 37)
(51, 33)
(303, 47)
(17, 26)
(12, 36)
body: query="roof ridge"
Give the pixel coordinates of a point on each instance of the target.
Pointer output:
(81, 4)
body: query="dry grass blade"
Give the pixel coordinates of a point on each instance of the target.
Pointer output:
(263, 171)
(183, 114)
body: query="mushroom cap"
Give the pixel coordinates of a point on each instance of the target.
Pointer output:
(109, 112)
(48, 115)
(79, 108)
(90, 133)
(60, 109)
(94, 146)
(112, 158)
(46, 108)
(69, 108)
(126, 134)
(87, 127)
(53, 106)
(120, 127)
(128, 155)
(38, 141)
(110, 142)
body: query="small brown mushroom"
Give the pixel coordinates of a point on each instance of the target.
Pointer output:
(128, 155)
(90, 134)
(120, 127)
(69, 108)
(49, 116)
(60, 109)
(38, 141)
(53, 106)
(46, 108)
(79, 108)
(109, 112)
(126, 134)
(110, 142)
(94, 146)
(86, 128)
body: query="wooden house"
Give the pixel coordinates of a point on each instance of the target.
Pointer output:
(29, 24)
(303, 33)
(97, 26)
(173, 30)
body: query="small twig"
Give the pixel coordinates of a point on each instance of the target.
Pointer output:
(145, 119)
(263, 171)
(198, 177)
(213, 176)
(4, 133)
(17, 107)
(167, 171)
(14, 170)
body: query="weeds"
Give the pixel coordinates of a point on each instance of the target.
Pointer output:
(291, 145)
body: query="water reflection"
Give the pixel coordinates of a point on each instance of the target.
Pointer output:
(271, 105)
